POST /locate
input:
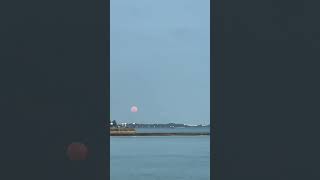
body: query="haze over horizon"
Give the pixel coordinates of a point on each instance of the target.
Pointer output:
(160, 61)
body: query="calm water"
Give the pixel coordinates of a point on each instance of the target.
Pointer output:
(173, 130)
(160, 158)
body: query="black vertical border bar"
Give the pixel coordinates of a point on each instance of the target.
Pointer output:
(103, 12)
(107, 16)
(212, 118)
(216, 68)
(108, 79)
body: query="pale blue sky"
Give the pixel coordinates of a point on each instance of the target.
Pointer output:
(160, 61)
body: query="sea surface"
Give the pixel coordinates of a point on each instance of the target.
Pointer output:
(174, 130)
(160, 158)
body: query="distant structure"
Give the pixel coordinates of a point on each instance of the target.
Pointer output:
(113, 123)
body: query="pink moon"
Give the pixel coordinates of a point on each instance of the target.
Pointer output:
(134, 109)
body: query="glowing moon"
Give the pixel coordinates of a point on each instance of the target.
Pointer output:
(134, 109)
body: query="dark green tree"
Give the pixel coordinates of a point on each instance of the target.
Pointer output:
(114, 123)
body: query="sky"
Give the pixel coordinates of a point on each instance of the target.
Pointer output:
(160, 61)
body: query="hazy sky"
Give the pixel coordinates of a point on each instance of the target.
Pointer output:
(160, 61)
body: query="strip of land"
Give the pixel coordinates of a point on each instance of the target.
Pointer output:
(132, 132)
(156, 134)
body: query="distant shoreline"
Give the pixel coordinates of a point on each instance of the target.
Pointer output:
(123, 133)
(120, 131)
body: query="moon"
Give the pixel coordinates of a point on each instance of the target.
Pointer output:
(134, 109)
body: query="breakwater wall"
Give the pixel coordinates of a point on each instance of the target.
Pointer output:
(122, 131)
(157, 134)
(132, 132)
